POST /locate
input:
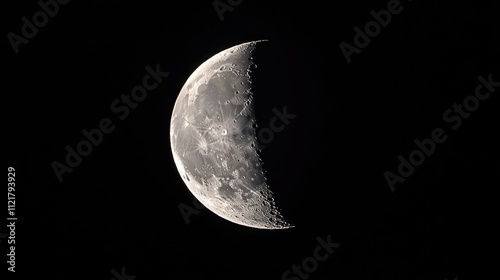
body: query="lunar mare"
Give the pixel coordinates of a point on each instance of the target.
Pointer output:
(214, 143)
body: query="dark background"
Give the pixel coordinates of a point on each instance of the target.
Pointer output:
(120, 206)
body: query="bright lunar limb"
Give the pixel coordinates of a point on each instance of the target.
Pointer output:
(214, 143)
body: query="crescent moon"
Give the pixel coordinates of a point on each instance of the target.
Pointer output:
(214, 144)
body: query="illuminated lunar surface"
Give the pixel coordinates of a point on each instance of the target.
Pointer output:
(214, 143)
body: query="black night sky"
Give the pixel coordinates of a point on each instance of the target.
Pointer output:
(424, 84)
